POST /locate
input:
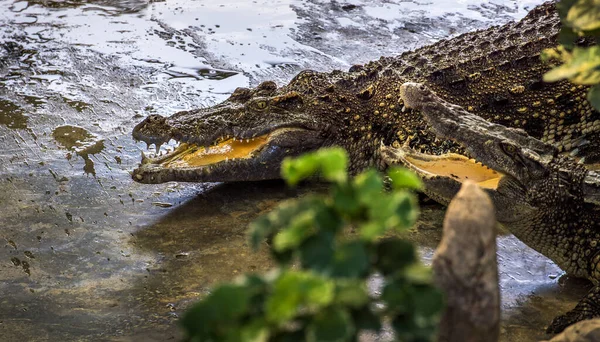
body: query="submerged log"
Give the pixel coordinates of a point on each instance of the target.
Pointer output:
(465, 268)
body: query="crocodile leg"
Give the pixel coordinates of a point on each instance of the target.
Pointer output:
(588, 307)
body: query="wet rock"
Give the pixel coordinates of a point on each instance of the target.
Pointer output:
(584, 331)
(465, 268)
(11, 115)
(81, 141)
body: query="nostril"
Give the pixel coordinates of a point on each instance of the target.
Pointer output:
(154, 118)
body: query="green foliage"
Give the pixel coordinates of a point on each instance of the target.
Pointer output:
(582, 15)
(580, 65)
(320, 292)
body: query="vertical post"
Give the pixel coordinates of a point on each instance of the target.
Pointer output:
(465, 268)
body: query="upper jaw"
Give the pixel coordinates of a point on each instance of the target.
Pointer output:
(483, 140)
(505, 178)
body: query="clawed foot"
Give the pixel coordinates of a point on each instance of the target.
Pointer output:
(562, 322)
(589, 307)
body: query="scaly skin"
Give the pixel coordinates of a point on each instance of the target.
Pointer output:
(547, 200)
(495, 73)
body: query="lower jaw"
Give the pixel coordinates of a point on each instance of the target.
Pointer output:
(452, 166)
(260, 166)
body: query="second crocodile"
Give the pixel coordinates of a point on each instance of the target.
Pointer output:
(545, 199)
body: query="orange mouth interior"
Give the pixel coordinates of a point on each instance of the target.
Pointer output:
(455, 166)
(192, 155)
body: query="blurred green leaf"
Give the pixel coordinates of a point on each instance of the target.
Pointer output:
(414, 329)
(584, 15)
(404, 179)
(332, 162)
(256, 330)
(345, 200)
(567, 37)
(397, 210)
(284, 258)
(427, 300)
(317, 252)
(365, 319)
(593, 97)
(368, 185)
(394, 256)
(418, 274)
(582, 66)
(333, 324)
(296, 170)
(266, 226)
(404, 296)
(350, 260)
(372, 230)
(226, 304)
(299, 228)
(326, 219)
(563, 7)
(289, 336)
(407, 209)
(352, 293)
(294, 291)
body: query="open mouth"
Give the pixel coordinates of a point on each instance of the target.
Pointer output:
(187, 155)
(449, 165)
(227, 158)
(191, 155)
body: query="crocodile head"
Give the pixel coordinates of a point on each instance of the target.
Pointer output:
(246, 137)
(526, 178)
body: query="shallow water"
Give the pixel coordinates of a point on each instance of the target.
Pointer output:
(87, 254)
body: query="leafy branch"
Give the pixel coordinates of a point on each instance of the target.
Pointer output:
(580, 65)
(319, 291)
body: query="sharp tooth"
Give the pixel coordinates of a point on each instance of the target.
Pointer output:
(247, 141)
(403, 108)
(144, 158)
(226, 159)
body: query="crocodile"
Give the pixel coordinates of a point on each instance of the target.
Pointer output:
(546, 199)
(495, 73)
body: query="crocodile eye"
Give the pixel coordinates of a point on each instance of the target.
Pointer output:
(261, 104)
(509, 149)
